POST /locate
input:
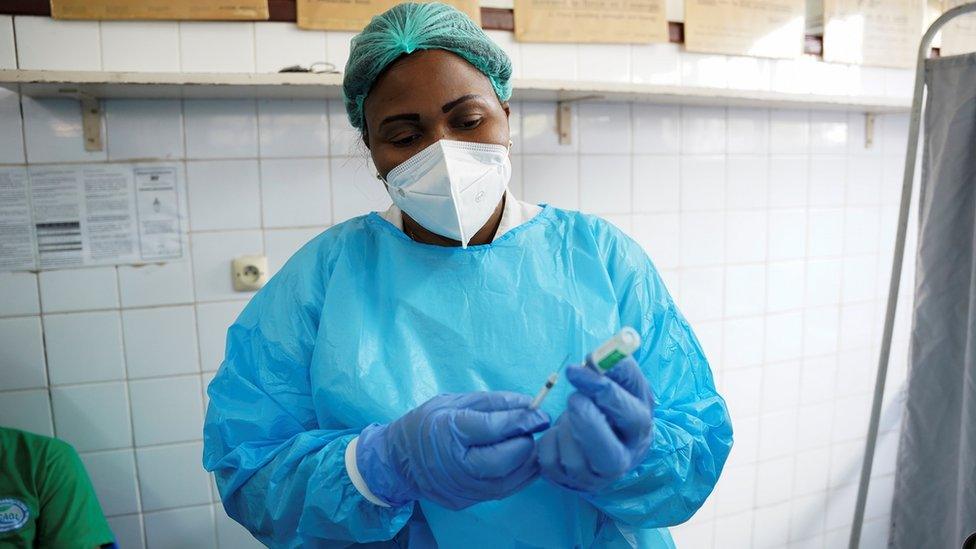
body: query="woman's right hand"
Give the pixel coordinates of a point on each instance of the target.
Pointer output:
(455, 450)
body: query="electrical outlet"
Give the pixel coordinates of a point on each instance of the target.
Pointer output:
(250, 272)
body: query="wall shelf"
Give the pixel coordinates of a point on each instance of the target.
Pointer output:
(90, 86)
(77, 84)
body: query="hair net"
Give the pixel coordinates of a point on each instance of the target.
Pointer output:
(406, 28)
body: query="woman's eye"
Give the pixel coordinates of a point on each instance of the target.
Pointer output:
(470, 123)
(405, 141)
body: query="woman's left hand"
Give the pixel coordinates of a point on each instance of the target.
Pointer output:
(604, 432)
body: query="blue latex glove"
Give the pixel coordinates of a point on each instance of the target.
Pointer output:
(604, 432)
(455, 450)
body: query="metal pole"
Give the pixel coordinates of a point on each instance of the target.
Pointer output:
(906, 198)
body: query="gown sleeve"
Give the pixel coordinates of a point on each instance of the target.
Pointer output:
(281, 472)
(692, 430)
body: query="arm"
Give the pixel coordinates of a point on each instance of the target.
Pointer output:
(70, 515)
(279, 471)
(692, 432)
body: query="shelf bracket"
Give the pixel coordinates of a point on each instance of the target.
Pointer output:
(868, 130)
(564, 117)
(91, 122)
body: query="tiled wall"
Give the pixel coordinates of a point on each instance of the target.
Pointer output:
(773, 229)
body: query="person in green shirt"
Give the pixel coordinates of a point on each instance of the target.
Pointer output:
(46, 498)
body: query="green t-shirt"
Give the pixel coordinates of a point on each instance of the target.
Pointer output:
(46, 498)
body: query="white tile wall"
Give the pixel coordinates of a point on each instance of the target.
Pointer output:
(704, 70)
(8, 53)
(749, 73)
(84, 347)
(113, 473)
(177, 528)
(142, 128)
(216, 46)
(18, 294)
(604, 128)
(355, 188)
(46, 44)
(221, 128)
(180, 397)
(605, 183)
(171, 476)
(212, 253)
(27, 410)
(656, 183)
(337, 48)
(656, 129)
(212, 322)
(280, 45)
(281, 244)
(552, 61)
(143, 46)
(66, 290)
(128, 530)
(296, 192)
(655, 63)
(605, 62)
(11, 132)
(160, 341)
(88, 426)
(232, 534)
(157, 284)
(223, 194)
(52, 130)
(21, 353)
(702, 130)
(293, 128)
(771, 227)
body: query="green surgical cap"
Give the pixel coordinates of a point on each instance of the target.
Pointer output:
(406, 28)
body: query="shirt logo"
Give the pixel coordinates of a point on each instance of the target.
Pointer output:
(13, 514)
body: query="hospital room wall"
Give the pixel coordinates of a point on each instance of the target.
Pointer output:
(773, 229)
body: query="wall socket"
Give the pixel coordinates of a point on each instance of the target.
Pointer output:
(249, 272)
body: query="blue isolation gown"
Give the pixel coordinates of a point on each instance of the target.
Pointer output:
(363, 324)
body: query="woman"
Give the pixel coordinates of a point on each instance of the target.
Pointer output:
(376, 389)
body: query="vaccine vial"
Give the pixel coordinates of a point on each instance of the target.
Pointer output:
(624, 343)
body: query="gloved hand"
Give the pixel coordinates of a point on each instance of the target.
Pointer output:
(455, 450)
(604, 432)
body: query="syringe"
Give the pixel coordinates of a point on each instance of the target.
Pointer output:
(606, 356)
(541, 395)
(550, 382)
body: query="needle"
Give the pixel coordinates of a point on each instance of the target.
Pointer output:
(550, 381)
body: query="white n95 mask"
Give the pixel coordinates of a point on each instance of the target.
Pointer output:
(451, 187)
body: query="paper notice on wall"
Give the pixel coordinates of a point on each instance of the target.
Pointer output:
(17, 250)
(353, 15)
(883, 33)
(763, 28)
(959, 35)
(609, 21)
(90, 214)
(158, 208)
(248, 10)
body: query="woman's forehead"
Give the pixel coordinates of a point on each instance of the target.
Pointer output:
(423, 80)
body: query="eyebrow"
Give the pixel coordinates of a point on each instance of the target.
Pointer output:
(448, 106)
(414, 117)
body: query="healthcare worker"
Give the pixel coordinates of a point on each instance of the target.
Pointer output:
(377, 389)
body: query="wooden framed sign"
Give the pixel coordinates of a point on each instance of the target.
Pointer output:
(763, 28)
(609, 21)
(248, 10)
(353, 15)
(883, 33)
